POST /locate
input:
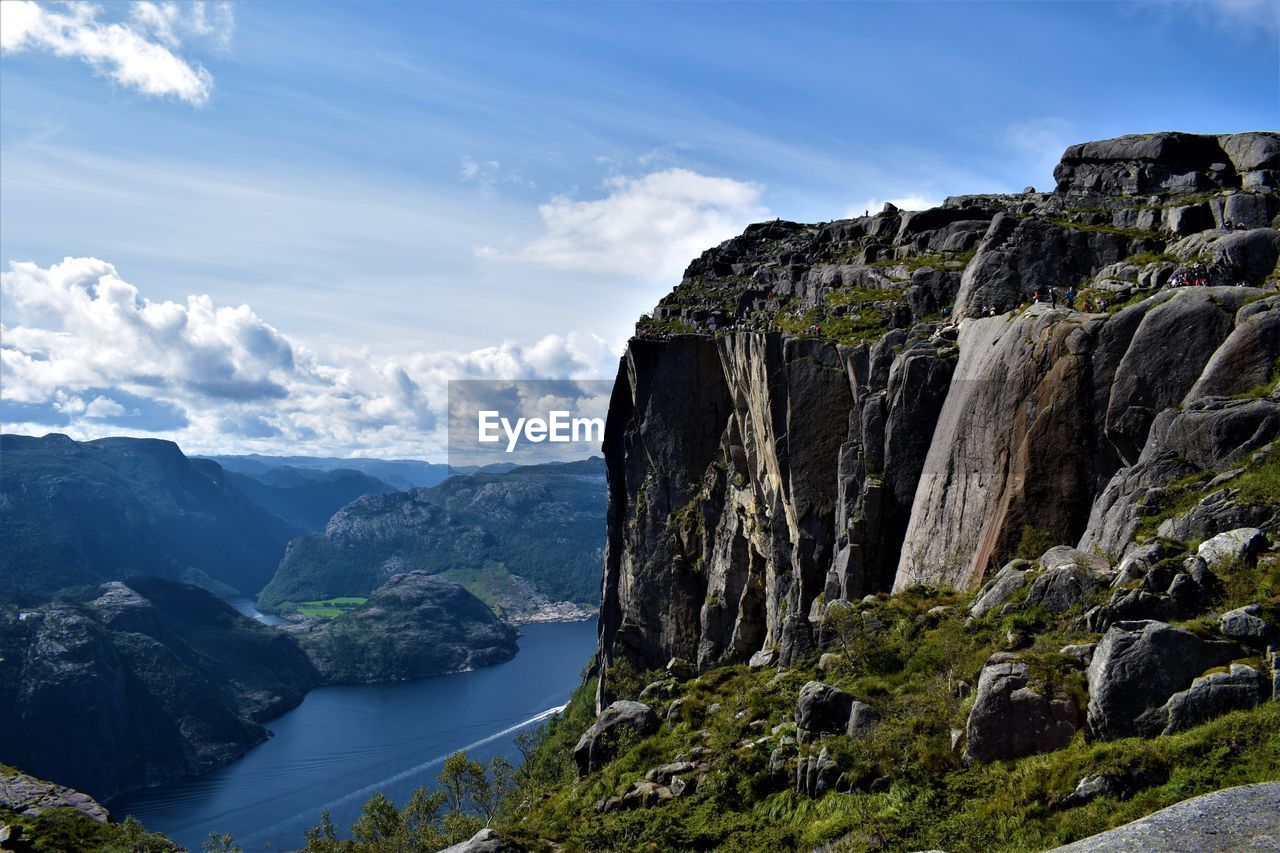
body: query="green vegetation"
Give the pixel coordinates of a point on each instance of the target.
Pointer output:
(1141, 259)
(466, 801)
(328, 607)
(1136, 233)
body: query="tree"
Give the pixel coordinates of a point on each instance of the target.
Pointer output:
(224, 843)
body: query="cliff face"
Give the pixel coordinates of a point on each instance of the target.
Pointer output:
(139, 684)
(821, 412)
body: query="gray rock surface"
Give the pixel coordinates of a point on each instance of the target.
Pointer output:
(1010, 719)
(1213, 695)
(27, 795)
(485, 841)
(1233, 545)
(621, 721)
(1000, 589)
(1246, 625)
(1235, 819)
(1136, 667)
(822, 709)
(1059, 589)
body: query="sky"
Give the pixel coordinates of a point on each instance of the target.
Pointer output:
(282, 227)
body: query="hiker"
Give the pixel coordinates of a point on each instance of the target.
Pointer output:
(1053, 297)
(1071, 298)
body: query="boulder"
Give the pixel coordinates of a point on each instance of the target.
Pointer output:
(763, 658)
(1213, 695)
(599, 743)
(1009, 719)
(1066, 557)
(822, 709)
(1246, 625)
(1062, 588)
(863, 720)
(484, 841)
(1238, 544)
(815, 775)
(1136, 667)
(1001, 588)
(680, 669)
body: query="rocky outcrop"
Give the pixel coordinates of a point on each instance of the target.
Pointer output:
(1209, 696)
(27, 795)
(1137, 667)
(143, 683)
(617, 724)
(1242, 818)
(820, 412)
(412, 626)
(822, 709)
(1010, 718)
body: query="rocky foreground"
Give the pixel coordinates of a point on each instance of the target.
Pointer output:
(953, 528)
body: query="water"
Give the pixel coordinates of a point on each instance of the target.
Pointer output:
(343, 744)
(246, 608)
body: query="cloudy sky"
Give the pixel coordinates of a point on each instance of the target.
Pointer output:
(281, 227)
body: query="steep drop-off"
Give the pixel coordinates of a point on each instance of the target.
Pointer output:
(819, 412)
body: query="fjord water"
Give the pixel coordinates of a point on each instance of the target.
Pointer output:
(343, 744)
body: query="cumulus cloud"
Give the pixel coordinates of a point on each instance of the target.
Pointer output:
(140, 52)
(649, 227)
(1041, 140)
(873, 206)
(83, 350)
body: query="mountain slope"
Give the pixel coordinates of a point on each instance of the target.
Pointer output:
(308, 502)
(543, 523)
(139, 683)
(84, 512)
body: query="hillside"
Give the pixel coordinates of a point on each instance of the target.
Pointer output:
(291, 470)
(543, 524)
(305, 499)
(74, 513)
(137, 683)
(948, 529)
(412, 626)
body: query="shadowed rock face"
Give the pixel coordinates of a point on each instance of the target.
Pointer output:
(818, 412)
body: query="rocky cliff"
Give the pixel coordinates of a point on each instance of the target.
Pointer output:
(819, 412)
(139, 684)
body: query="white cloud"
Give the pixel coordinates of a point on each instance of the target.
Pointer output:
(83, 348)
(138, 53)
(1041, 140)
(873, 206)
(648, 227)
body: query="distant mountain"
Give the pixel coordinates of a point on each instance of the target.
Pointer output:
(306, 498)
(86, 512)
(277, 470)
(139, 683)
(543, 523)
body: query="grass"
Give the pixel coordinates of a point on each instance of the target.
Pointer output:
(1136, 233)
(329, 607)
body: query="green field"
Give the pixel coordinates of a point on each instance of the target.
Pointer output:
(330, 607)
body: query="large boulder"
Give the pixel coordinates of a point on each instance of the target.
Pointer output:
(1136, 667)
(1213, 695)
(863, 720)
(997, 591)
(822, 709)
(1232, 546)
(622, 720)
(1246, 625)
(816, 774)
(1060, 589)
(1010, 719)
(484, 841)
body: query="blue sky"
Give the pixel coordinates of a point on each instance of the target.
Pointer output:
(347, 204)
